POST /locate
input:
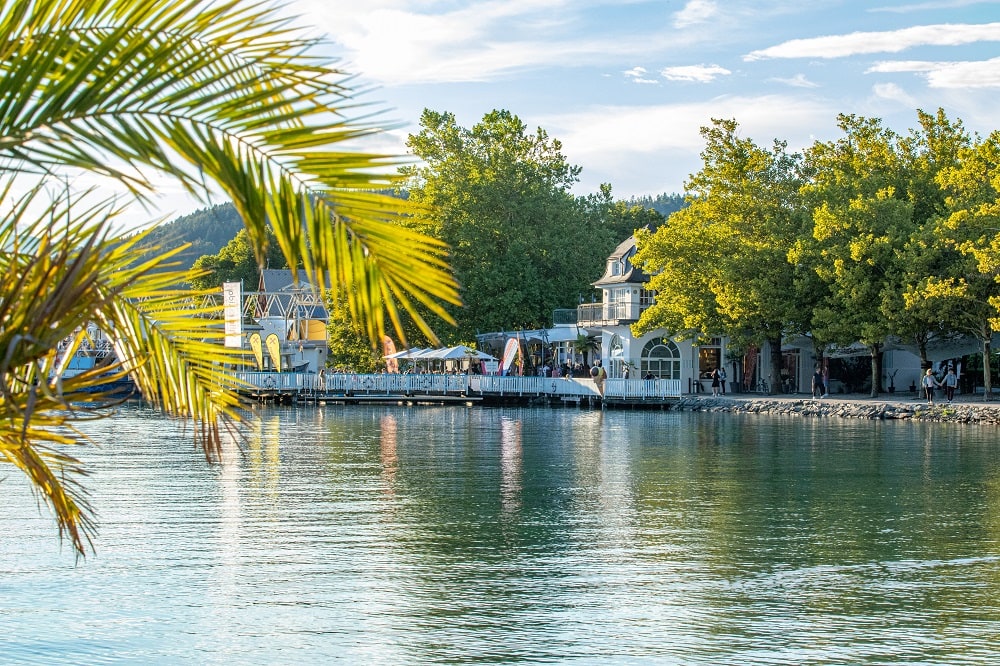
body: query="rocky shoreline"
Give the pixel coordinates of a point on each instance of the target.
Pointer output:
(860, 408)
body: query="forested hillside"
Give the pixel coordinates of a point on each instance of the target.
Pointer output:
(208, 230)
(664, 204)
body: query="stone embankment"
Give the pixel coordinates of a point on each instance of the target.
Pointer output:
(854, 408)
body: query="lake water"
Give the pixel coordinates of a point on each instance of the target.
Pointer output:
(430, 535)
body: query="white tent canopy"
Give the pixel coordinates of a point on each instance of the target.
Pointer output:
(454, 354)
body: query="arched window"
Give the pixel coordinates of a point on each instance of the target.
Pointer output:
(661, 358)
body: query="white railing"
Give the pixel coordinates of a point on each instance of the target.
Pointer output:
(385, 384)
(431, 384)
(642, 389)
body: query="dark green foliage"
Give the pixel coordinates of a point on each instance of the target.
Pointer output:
(664, 204)
(208, 230)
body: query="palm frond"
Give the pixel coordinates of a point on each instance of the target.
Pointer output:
(209, 93)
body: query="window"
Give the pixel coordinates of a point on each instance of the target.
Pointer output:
(709, 358)
(661, 358)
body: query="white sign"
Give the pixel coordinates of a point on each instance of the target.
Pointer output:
(232, 297)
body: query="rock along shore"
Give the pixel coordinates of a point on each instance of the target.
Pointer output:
(848, 408)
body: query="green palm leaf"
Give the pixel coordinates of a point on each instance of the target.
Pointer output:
(217, 96)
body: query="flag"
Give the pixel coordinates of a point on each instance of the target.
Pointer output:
(258, 350)
(510, 352)
(388, 348)
(274, 350)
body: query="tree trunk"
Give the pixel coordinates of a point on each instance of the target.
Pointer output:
(987, 378)
(775, 381)
(876, 351)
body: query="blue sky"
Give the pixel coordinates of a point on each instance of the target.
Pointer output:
(626, 85)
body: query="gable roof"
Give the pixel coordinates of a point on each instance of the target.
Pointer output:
(623, 256)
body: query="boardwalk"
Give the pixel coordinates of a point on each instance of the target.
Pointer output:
(430, 388)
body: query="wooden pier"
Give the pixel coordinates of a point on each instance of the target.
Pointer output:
(339, 388)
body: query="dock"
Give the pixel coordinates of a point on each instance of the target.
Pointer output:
(443, 389)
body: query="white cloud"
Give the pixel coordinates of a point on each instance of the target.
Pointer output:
(698, 73)
(797, 81)
(893, 92)
(655, 148)
(638, 75)
(396, 42)
(891, 41)
(931, 6)
(972, 74)
(694, 12)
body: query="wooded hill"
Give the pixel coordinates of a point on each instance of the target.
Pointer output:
(210, 229)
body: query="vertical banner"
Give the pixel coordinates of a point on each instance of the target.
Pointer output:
(510, 351)
(232, 297)
(388, 349)
(274, 350)
(258, 349)
(520, 355)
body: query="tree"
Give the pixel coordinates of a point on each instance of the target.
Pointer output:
(203, 93)
(620, 218)
(720, 265)
(236, 262)
(926, 259)
(972, 225)
(861, 220)
(522, 245)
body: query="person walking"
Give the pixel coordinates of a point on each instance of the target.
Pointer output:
(929, 382)
(818, 385)
(722, 380)
(950, 384)
(715, 383)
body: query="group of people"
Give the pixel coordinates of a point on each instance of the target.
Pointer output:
(930, 382)
(718, 381)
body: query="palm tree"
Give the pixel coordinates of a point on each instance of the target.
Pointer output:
(217, 96)
(585, 345)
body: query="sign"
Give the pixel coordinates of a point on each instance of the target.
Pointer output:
(510, 352)
(232, 296)
(274, 351)
(258, 349)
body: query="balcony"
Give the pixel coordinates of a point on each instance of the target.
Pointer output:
(608, 314)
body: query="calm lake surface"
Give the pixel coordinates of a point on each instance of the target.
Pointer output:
(419, 535)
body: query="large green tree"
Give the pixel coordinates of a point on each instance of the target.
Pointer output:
(972, 226)
(499, 196)
(720, 265)
(862, 219)
(913, 316)
(217, 94)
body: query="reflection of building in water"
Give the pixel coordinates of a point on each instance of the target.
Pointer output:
(510, 465)
(387, 453)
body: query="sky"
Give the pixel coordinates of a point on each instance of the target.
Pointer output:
(626, 85)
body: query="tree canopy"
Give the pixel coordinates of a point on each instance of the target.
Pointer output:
(499, 195)
(871, 237)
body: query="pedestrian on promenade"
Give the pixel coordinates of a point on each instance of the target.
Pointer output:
(722, 379)
(950, 384)
(929, 382)
(818, 385)
(715, 382)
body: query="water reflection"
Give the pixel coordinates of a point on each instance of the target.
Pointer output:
(429, 535)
